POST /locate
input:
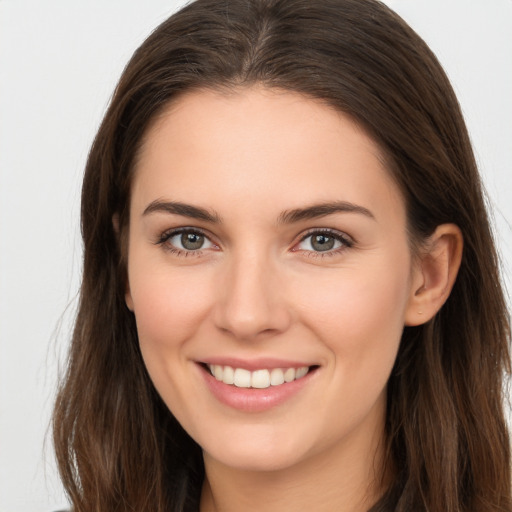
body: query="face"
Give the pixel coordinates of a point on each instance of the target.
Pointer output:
(270, 275)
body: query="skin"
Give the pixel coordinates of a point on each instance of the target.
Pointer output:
(257, 288)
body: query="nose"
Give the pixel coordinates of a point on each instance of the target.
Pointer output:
(250, 302)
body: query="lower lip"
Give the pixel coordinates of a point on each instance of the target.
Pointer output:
(253, 399)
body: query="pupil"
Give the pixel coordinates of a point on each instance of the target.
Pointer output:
(322, 243)
(192, 241)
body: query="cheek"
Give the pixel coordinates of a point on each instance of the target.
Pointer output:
(359, 319)
(359, 316)
(169, 308)
(169, 305)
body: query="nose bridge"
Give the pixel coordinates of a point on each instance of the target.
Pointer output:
(250, 301)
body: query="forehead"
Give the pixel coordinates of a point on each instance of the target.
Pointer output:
(262, 146)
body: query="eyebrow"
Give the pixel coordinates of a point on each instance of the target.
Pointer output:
(186, 210)
(321, 210)
(286, 217)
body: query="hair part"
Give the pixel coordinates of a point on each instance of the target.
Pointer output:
(447, 440)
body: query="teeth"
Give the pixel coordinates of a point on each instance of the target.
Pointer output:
(242, 378)
(276, 377)
(229, 375)
(260, 379)
(218, 372)
(301, 372)
(290, 374)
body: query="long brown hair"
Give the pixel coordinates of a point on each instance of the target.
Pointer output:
(118, 446)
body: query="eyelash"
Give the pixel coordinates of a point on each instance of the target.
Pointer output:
(167, 235)
(345, 241)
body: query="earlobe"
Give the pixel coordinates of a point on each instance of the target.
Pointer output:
(128, 298)
(435, 274)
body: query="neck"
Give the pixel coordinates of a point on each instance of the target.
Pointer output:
(343, 478)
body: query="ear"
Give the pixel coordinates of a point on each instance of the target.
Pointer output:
(127, 294)
(435, 273)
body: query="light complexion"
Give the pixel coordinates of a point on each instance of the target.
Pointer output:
(271, 276)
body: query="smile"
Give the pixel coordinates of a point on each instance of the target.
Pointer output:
(259, 379)
(256, 386)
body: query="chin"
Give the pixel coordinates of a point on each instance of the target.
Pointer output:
(256, 460)
(257, 451)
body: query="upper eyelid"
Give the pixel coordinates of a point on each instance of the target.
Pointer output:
(330, 231)
(169, 233)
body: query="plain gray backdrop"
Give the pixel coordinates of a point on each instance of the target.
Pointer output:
(59, 62)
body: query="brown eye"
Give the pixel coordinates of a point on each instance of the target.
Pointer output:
(192, 241)
(324, 241)
(186, 241)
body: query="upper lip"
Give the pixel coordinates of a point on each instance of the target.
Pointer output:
(255, 364)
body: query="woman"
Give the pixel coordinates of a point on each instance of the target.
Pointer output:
(290, 296)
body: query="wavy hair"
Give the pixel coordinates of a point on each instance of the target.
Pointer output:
(118, 446)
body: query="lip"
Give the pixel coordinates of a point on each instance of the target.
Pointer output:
(256, 364)
(254, 400)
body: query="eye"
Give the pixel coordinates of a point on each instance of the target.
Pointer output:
(186, 240)
(324, 242)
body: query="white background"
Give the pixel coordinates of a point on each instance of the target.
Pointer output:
(59, 61)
